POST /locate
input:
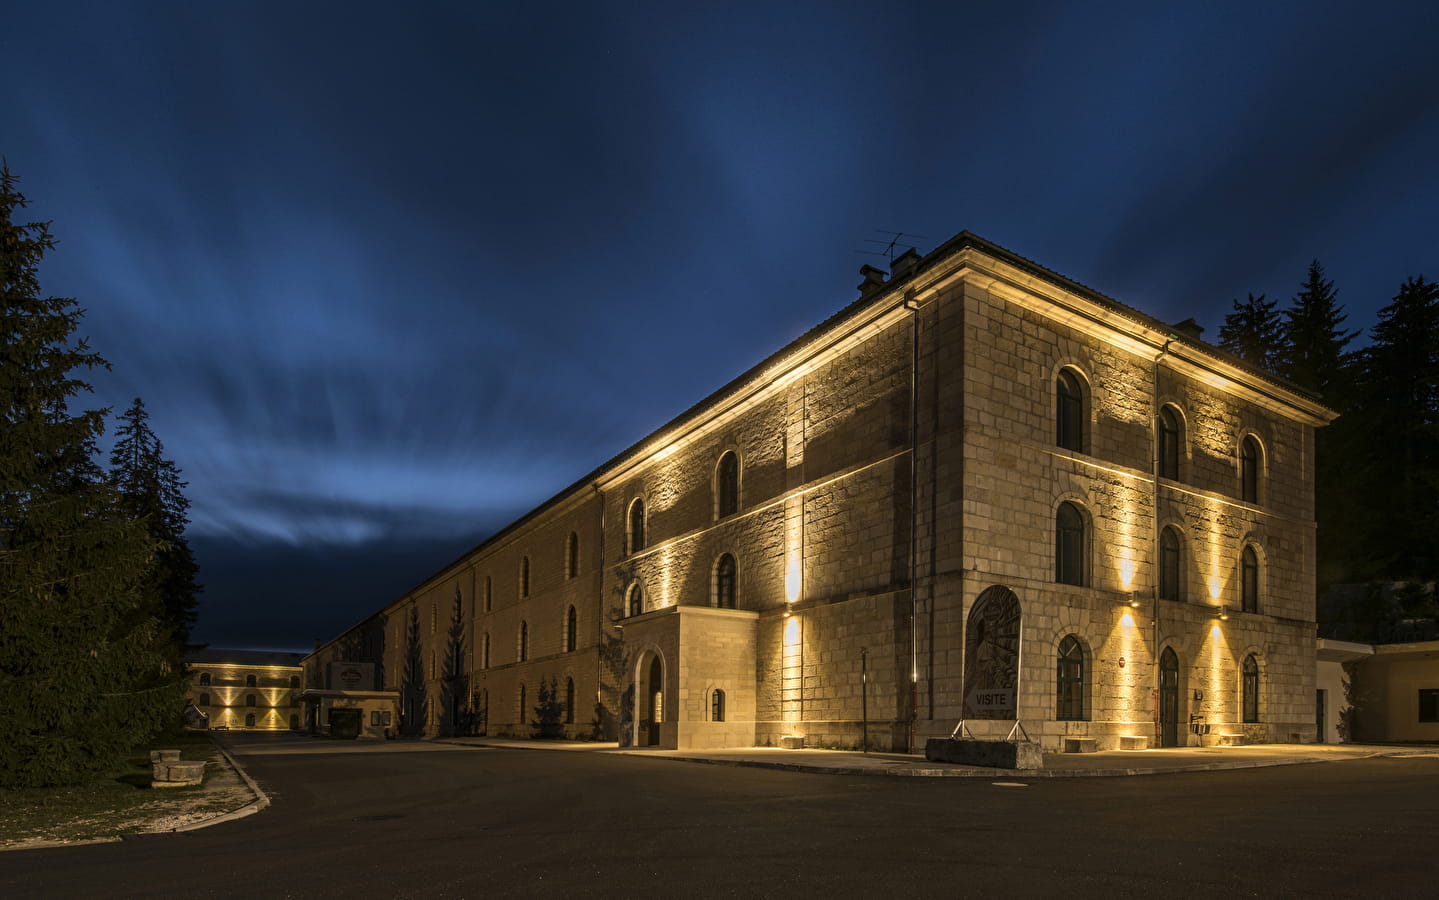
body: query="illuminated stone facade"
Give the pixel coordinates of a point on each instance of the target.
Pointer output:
(253, 690)
(974, 421)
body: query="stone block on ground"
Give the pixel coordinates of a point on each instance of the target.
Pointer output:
(1133, 742)
(792, 743)
(990, 754)
(1080, 745)
(178, 773)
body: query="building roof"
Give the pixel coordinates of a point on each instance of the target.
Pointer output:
(871, 293)
(219, 656)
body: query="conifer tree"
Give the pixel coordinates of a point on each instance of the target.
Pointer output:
(151, 491)
(83, 672)
(1252, 332)
(1314, 339)
(1396, 409)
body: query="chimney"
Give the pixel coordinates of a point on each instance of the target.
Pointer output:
(873, 280)
(1189, 328)
(903, 264)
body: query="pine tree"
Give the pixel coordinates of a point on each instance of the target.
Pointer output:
(1252, 332)
(83, 672)
(151, 490)
(1396, 409)
(1314, 339)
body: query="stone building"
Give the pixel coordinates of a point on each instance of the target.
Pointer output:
(256, 690)
(979, 494)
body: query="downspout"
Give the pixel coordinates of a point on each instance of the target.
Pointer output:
(603, 613)
(1154, 537)
(913, 306)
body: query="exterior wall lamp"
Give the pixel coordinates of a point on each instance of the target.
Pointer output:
(1224, 612)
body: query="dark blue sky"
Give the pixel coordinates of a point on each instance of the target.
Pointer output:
(389, 275)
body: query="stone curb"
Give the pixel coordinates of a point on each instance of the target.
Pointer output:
(904, 770)
(261, 800)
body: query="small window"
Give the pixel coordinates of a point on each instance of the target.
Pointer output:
(1069, 545)
(1069, 412)
(572, 630)
(204, 679)
(1251, 460)
(717, 706)
(1070, 680)
(1251, 688)
(572, 555)
(524, 650)
(524, 713)
(294, 681)
(1169, 438)
(1249, 580)
(525, 577)
(726, 578)
(636, 600)
(485, 651)
(635, 527)
(1171, 585)
(249, 699)
(204, 699)
(249, 681)
(489, 594)
(727, 485)
(1429, 705)
(250, 720)
(570, 701)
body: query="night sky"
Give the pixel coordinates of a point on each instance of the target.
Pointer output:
(389, 275)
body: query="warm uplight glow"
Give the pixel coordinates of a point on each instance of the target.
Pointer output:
(791, 631)
(667, 452)
(1126, 574)
(1127, 620)
(792, 578)
(1214, 587)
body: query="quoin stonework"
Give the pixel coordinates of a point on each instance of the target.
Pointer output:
(981, 493)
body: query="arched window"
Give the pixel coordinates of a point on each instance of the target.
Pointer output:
(204, 699)
(524, 651)
(1251, 688)
(250, 720)
(485, 651)
(727, 485)
(204, 679)
(572, 555)
(1169, 437)
(249, 681)
(1069, 545)
(1249, 580)
(294, 681)
(1251, 460)
(249, 699)
(523, 712)
(489, 594)
(1070, 684)
(1069, 412)
(717, 706)
(572, 630)
(525, 577)
(570, 700)
(635, 527)
(635, 602)
(1171, 562)
(726, 578)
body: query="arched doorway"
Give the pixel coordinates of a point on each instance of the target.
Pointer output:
(1168, 698)
(650, 701)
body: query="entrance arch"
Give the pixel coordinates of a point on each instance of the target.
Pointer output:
(1169, 698)
(649, 699)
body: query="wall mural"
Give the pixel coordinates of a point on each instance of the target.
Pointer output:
(991, 655)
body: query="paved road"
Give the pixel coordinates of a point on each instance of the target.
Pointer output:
(401, 821)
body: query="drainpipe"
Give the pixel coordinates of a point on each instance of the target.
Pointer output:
(1154, 535)
(913, 306)
(602, 612)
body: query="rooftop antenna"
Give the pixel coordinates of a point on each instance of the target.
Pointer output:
(895, 237)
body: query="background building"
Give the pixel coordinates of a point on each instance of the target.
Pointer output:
(980, 493)
(246, 689)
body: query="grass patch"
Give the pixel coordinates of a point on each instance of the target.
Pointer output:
(121, 801)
